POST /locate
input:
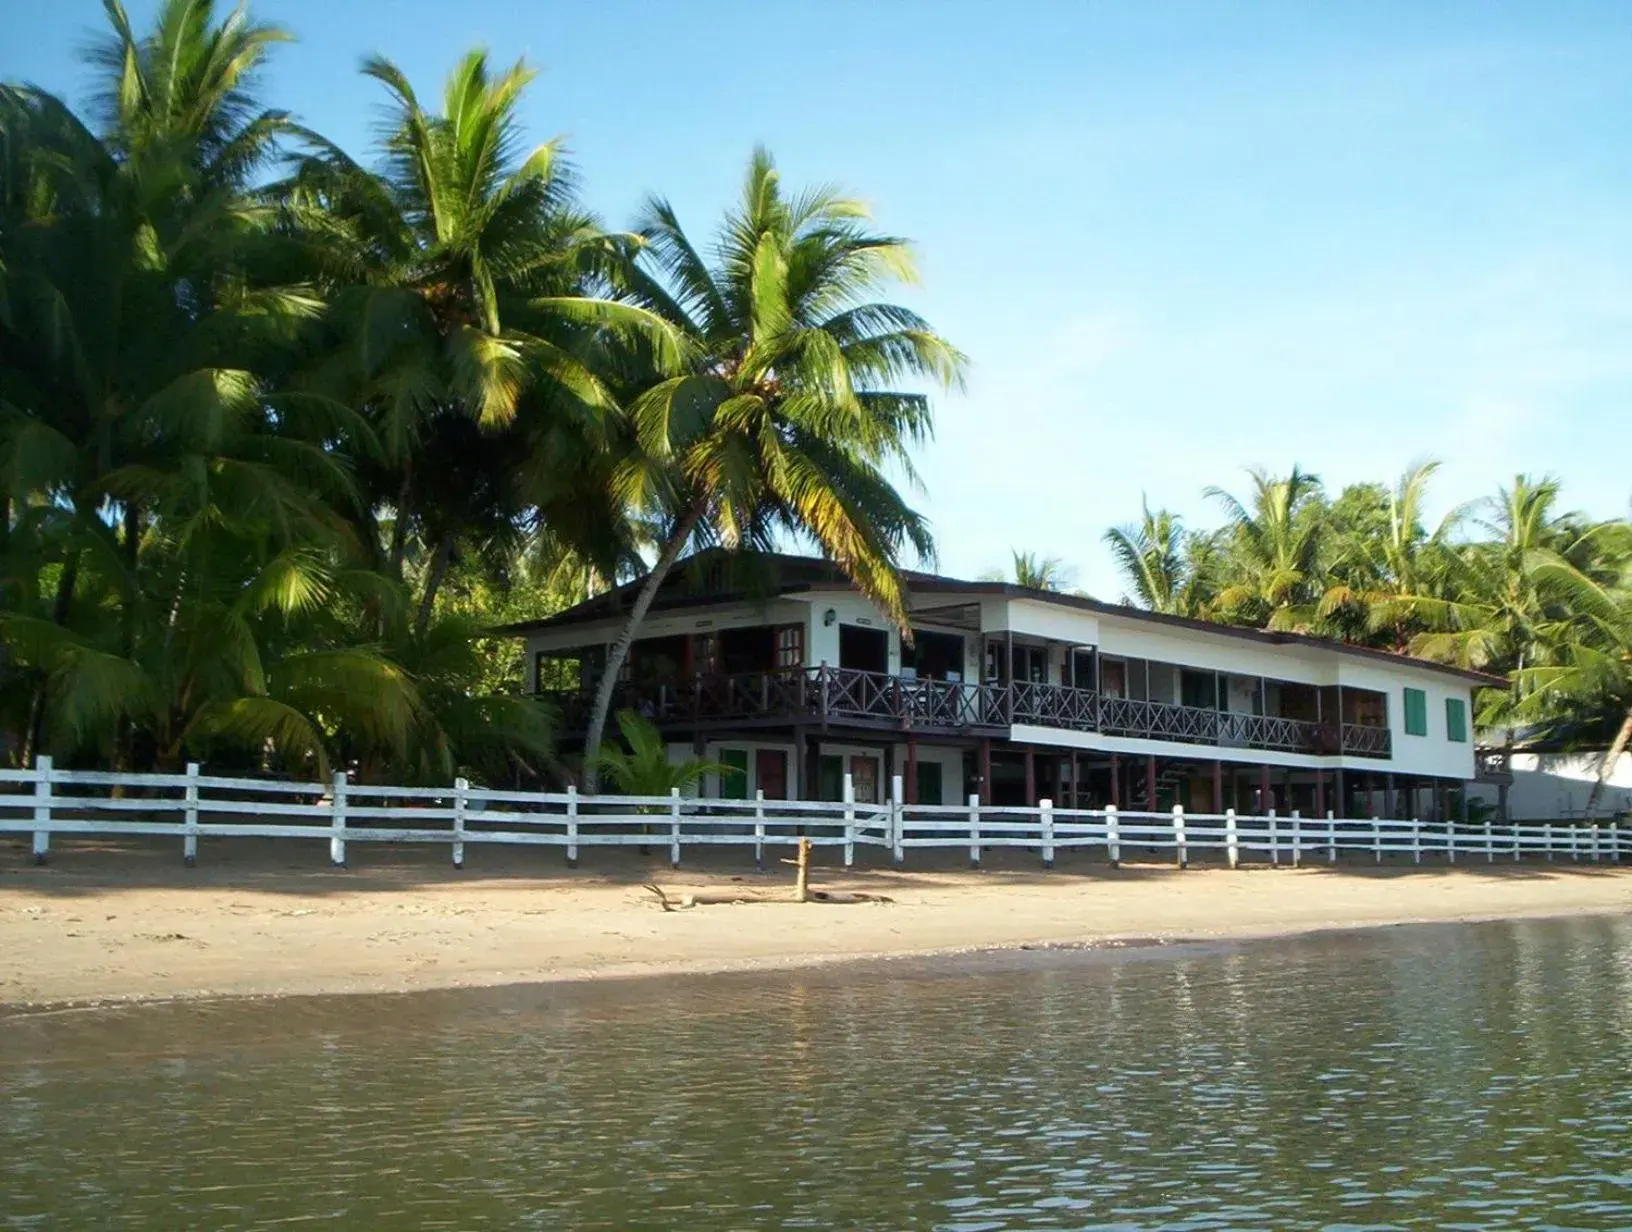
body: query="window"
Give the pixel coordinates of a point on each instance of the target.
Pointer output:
(790, 646)
(1416, 712)
(1456, 720)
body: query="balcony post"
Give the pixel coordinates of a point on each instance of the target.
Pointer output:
(912, 768)
(1116, 780)
(1150, 782)
(1031, 778)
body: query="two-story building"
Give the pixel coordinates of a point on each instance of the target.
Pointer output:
(777, 667)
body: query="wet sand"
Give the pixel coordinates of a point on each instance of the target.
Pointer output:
(108, 923)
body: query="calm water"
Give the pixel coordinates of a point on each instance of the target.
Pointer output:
(1461, 1077)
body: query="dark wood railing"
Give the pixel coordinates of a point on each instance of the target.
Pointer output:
(828, 693)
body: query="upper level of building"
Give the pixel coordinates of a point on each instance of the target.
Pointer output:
(761, 640)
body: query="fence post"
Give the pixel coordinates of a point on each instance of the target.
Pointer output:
(337, 813)
(1416, 840)
(42, 809)
(1595, 842)
(1615, 841)
(1450, 840)
(1516, 844)
(1377, 840)
(1113, 837)
(1547, 839)
(1274, 840)
(572, 825)
(1180, 851)
(460, 789)
(1575, 844)
(674, 827)
(1046, 814)
(1490, 843)
(1232, 842)
(1331, 837)
(759, 829)
(849, 821)
(189, 839)
(898, 821)
(1297, 838)
(974, 831)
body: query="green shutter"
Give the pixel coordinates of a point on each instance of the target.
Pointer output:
(1456, 720)
(734, 786)
(830, 778)
(929, 783)
(1416, 712)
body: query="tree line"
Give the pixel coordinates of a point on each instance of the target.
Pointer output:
(285, 428)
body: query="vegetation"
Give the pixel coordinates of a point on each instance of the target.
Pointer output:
(284, 432)
(1512, 585)
(644, 768)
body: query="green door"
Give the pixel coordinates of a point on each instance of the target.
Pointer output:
(929, 783)
(830, 778)
(734, 781)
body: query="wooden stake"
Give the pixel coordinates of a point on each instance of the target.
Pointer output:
(801, 885)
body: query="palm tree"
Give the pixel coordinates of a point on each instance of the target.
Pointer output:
(459, 274)
(1274, 551)
(1595, 674)
(1382, 577)
(645, 769)
(1151, 556)
(788, 416)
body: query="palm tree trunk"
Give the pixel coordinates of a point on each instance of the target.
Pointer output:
(440, 560)
(626, 638)
(60, 606)
(1607, 767)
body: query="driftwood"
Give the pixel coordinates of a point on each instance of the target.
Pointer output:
(684, 902)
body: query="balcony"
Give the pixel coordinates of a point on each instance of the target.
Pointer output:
(846, 695)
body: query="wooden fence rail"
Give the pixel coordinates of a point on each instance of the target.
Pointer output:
(44, 801)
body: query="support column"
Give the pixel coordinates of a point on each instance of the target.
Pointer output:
(1442, 805)
(1150, 782)
(1389, 796)
(1031, 778)
(986, 772)
(1286, 786)
(1320, 793)
(1340, 805)
(1218, 787)
(1076, 781)
(911, 785)
(1371, 803)
(1116, 781)
(799, 790)
(1266, 800)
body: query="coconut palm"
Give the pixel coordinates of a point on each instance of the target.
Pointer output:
(1034, 571)
(459, 276)
(1274, 550)
(1381, 577)
(789, 416)
(1595, 673)
(1151, 556)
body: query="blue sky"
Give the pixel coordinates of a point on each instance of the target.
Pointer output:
(1175, 240)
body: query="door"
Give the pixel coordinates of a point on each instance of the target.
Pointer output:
(864, 778)
(771, 773)
(866, 650)
(929, 783)
(734, 774)
(830, 778)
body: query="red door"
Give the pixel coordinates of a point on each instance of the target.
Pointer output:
(771, 773)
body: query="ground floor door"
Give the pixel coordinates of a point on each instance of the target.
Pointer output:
(771, 773)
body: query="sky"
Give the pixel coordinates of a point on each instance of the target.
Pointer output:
(1175, 240)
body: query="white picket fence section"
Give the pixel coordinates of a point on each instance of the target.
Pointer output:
(45, 801)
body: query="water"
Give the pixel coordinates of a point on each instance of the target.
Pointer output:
(1447, 1077)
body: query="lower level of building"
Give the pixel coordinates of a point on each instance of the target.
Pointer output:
(813, 765)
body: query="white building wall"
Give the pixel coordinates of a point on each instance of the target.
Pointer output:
(1555, 786)
(822, 644)
(1435, 754)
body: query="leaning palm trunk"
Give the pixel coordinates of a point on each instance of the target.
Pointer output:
(626, 637)
(1607, 767)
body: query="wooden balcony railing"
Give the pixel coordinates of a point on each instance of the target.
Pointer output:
(819, 694)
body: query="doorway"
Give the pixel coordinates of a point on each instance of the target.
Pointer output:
(865, 650)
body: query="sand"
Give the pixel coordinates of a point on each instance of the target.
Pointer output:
(107, 923)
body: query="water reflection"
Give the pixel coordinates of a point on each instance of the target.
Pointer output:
(1438, 1077)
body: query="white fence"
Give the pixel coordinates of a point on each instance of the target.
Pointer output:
(45, 801)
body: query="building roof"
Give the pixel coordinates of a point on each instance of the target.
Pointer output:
(715, 576)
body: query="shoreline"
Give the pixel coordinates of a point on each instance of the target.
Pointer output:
(121, 925)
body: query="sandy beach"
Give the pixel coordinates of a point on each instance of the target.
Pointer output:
(113, 924)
